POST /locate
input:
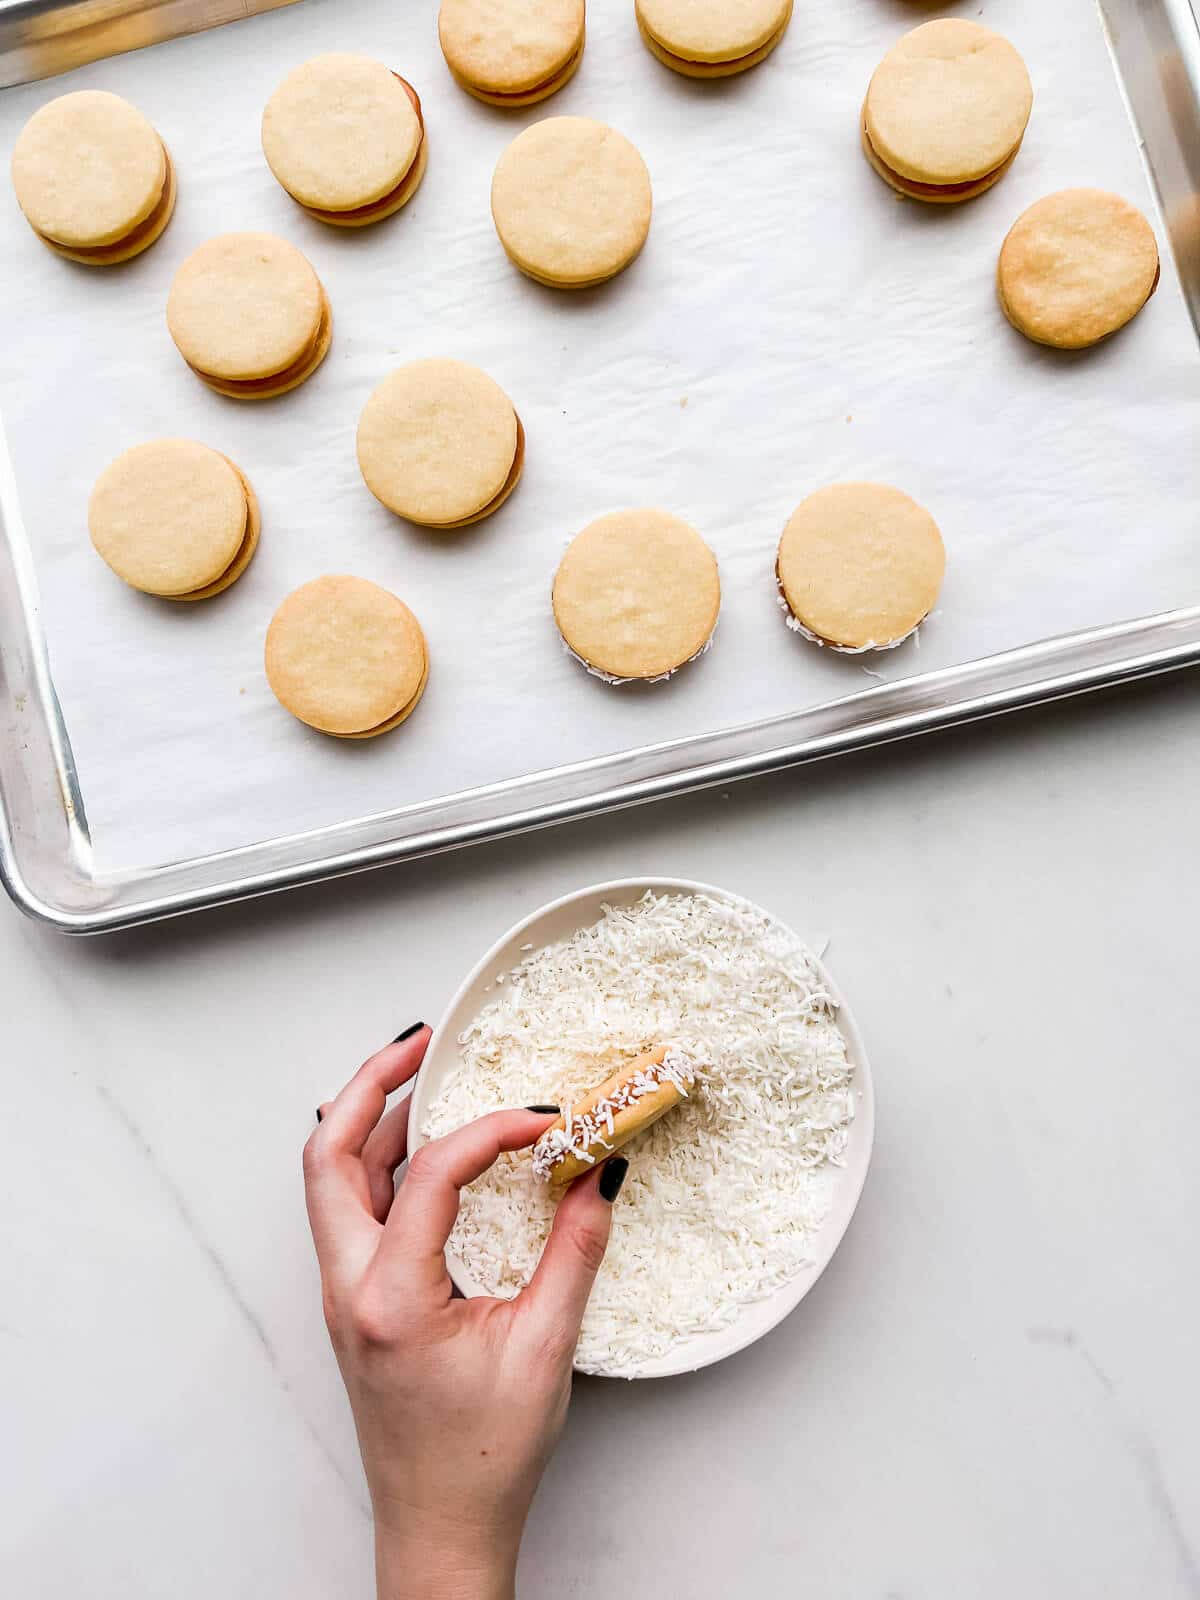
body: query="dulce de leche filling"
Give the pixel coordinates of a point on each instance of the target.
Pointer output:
(914, 187)
(385, 200)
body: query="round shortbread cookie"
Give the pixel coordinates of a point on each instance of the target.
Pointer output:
(727, 34)
(440, 443)
(714, 69)
(1076, 267)
(860, 565)
(345, 656)
(637, 594)
(341, 132)
(246, 307)
(512, 52)
(947, 106)
(169, 517)
(571, 202)
(88, 169)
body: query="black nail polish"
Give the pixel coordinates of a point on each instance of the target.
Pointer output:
(320, 1113)
(612, 1176)
(408, 1033)
(545, 1111)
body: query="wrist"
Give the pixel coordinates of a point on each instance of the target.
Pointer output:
(437, 1560)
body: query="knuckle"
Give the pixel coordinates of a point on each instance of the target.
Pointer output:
(587, 1244)
(333, 1314)
(422, 1164)
(372, 1320)
(314, 1155)
(556, 1344)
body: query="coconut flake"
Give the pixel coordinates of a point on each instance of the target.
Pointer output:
(662, 677)
(794, 623)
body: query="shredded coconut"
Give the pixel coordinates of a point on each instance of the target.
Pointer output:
(725, 1195)
(607, 677)
(794, 623)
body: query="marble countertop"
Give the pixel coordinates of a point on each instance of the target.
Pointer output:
(990, 1393)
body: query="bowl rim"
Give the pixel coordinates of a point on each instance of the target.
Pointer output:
(693, 1354)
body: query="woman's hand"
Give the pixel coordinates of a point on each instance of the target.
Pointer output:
(458, 1403)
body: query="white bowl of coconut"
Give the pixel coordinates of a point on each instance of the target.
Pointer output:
(736, 1199)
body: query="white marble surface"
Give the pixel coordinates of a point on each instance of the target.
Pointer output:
(992, 1391)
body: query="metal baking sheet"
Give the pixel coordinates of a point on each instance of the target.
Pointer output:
(40, 38)
(790, 323)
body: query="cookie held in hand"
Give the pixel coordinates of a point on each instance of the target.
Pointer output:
(613, 1113)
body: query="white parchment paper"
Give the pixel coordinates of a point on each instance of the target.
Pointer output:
(790, 323)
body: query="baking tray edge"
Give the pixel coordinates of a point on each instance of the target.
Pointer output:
(40, 38)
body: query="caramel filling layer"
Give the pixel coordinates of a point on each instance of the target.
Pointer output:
(914, 187)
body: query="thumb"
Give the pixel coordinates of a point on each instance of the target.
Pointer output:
(557, 1294)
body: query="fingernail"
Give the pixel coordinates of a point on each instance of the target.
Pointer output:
(408, 1033)
(612, 1176)
(545, 1111)
(320, 1113)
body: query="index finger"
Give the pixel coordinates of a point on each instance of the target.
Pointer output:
(425, 1210)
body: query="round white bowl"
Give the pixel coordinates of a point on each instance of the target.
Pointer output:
(559, 920)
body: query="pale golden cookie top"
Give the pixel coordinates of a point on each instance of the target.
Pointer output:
(87, 168)
(860, 564)
(344, 655)
(637, 594)
(244, 306)
(712, 30)
(437, 440)
(949, 103)
(168, 516)
(507, 46)
(1077, 266)
(571, 200)
(340, 132)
